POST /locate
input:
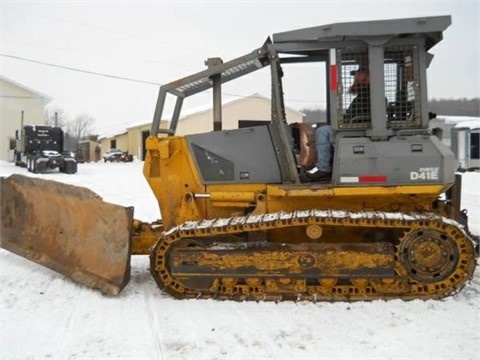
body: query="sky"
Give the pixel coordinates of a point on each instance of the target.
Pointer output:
(155, 42)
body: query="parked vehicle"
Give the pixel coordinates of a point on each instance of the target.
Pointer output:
(112, 155)
(40, 148)
(126, 157)
(69, 154)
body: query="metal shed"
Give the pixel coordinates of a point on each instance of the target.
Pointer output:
(465, 138)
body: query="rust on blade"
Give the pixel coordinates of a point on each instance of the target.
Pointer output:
(68, 229)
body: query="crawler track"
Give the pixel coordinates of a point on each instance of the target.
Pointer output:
(406, 256)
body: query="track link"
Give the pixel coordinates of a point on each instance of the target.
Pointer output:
(432, 258)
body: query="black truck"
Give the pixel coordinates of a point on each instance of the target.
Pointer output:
(40, 149)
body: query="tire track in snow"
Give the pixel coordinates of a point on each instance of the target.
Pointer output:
(154, 324)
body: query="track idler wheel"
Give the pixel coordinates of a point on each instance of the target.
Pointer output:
(429, 255)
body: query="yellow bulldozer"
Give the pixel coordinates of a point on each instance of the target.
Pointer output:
(243, 215)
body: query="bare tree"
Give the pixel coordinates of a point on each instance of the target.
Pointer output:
(55, 116)
(81, 127)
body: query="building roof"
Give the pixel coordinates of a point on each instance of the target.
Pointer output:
(472, 122)
(450, 119)
(469, 124)
(35, 92)
(114, 133)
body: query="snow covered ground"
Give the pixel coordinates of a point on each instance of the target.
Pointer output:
(45, 316)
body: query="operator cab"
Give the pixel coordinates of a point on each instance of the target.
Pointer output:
(388, 143)
(385, 140)
(351, 103)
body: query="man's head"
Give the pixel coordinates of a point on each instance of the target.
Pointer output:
(361, 79)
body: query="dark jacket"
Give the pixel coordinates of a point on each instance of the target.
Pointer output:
(360, 106)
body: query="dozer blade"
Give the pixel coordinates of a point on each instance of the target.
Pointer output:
(68, 229)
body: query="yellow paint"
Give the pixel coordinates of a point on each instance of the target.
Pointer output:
(282, 262)
(173, 177)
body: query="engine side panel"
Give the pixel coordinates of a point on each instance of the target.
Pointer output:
(413, 160)
(235, 156)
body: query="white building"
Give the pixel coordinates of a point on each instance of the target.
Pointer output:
(17, 99)
(235, 114)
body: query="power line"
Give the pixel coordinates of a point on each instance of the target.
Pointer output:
(125, 78)
(79, 70)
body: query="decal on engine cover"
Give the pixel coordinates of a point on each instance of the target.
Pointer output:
(426, 173)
